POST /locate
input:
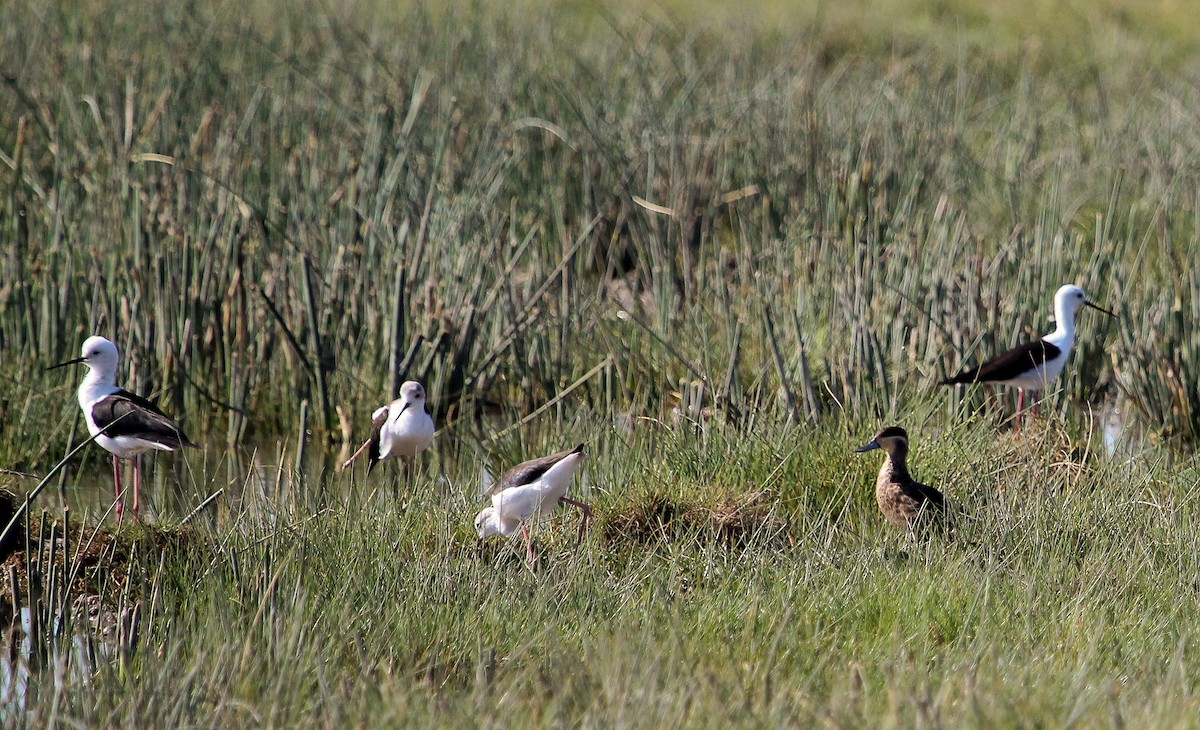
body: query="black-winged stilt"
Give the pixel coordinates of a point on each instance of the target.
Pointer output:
(1032, 365)
(531, 490)
(124, 424)
(403, 428)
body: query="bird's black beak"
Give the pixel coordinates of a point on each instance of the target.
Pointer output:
(64, 364)
(1098, 308)
(404, 408)
(868, 446)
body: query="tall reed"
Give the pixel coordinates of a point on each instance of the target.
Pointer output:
(300, 207)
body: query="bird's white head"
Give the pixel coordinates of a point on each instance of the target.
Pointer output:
(100, 355)
(413, 394)
(486, 523)
(1067, 300)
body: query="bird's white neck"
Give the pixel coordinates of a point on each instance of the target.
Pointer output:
(1063, 335)
(96, 384)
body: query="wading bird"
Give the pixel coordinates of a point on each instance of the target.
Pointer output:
(122, 423)
(530, 491)
(902, 499)
(1032, 365)
(403, 428)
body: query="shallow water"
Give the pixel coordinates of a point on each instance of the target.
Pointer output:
(1124, 437)
(225, 481)
(218, 486)
(25, 654)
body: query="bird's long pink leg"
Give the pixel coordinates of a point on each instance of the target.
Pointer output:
(528, 542)
(587, 515)
(119, 508)
(358, 453)
(1020, 410)
(137, 483)
(410, 476)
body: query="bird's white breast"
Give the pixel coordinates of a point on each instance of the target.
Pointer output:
(1042, 375)
(91, 393)
(406, 434)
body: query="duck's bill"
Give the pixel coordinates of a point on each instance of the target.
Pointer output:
(1098, 308)
(871, 446)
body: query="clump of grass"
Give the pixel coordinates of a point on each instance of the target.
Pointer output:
(1157, 366)
(730, 521)
(56, 561)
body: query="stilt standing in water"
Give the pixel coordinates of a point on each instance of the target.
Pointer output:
(403, 428)
(123, 424)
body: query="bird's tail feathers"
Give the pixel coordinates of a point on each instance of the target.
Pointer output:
(966, 377)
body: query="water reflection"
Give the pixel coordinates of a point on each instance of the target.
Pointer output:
(225, 489)
(72, 650)
(213, 484)
(16, 664)
(1123, 436)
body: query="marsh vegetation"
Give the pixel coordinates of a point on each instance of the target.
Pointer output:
(721, 249)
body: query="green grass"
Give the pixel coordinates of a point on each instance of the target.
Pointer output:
(1073, 605)
(797, 218)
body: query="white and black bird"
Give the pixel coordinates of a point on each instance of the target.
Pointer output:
(530, 491)
(402, 428)
(1032, 365)
(124, 424)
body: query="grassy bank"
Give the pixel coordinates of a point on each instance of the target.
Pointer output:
(1069, 599)
(722, 249)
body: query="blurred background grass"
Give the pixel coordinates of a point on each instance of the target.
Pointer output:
(259, 200)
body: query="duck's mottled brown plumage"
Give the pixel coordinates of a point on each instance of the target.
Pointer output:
(902, 499)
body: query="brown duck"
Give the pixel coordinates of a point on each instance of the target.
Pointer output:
(901, 498)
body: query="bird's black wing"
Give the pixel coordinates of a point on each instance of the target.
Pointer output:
(926, 496)
(376, 434)
(1012, 364)
(530, 471)
(127, 414)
